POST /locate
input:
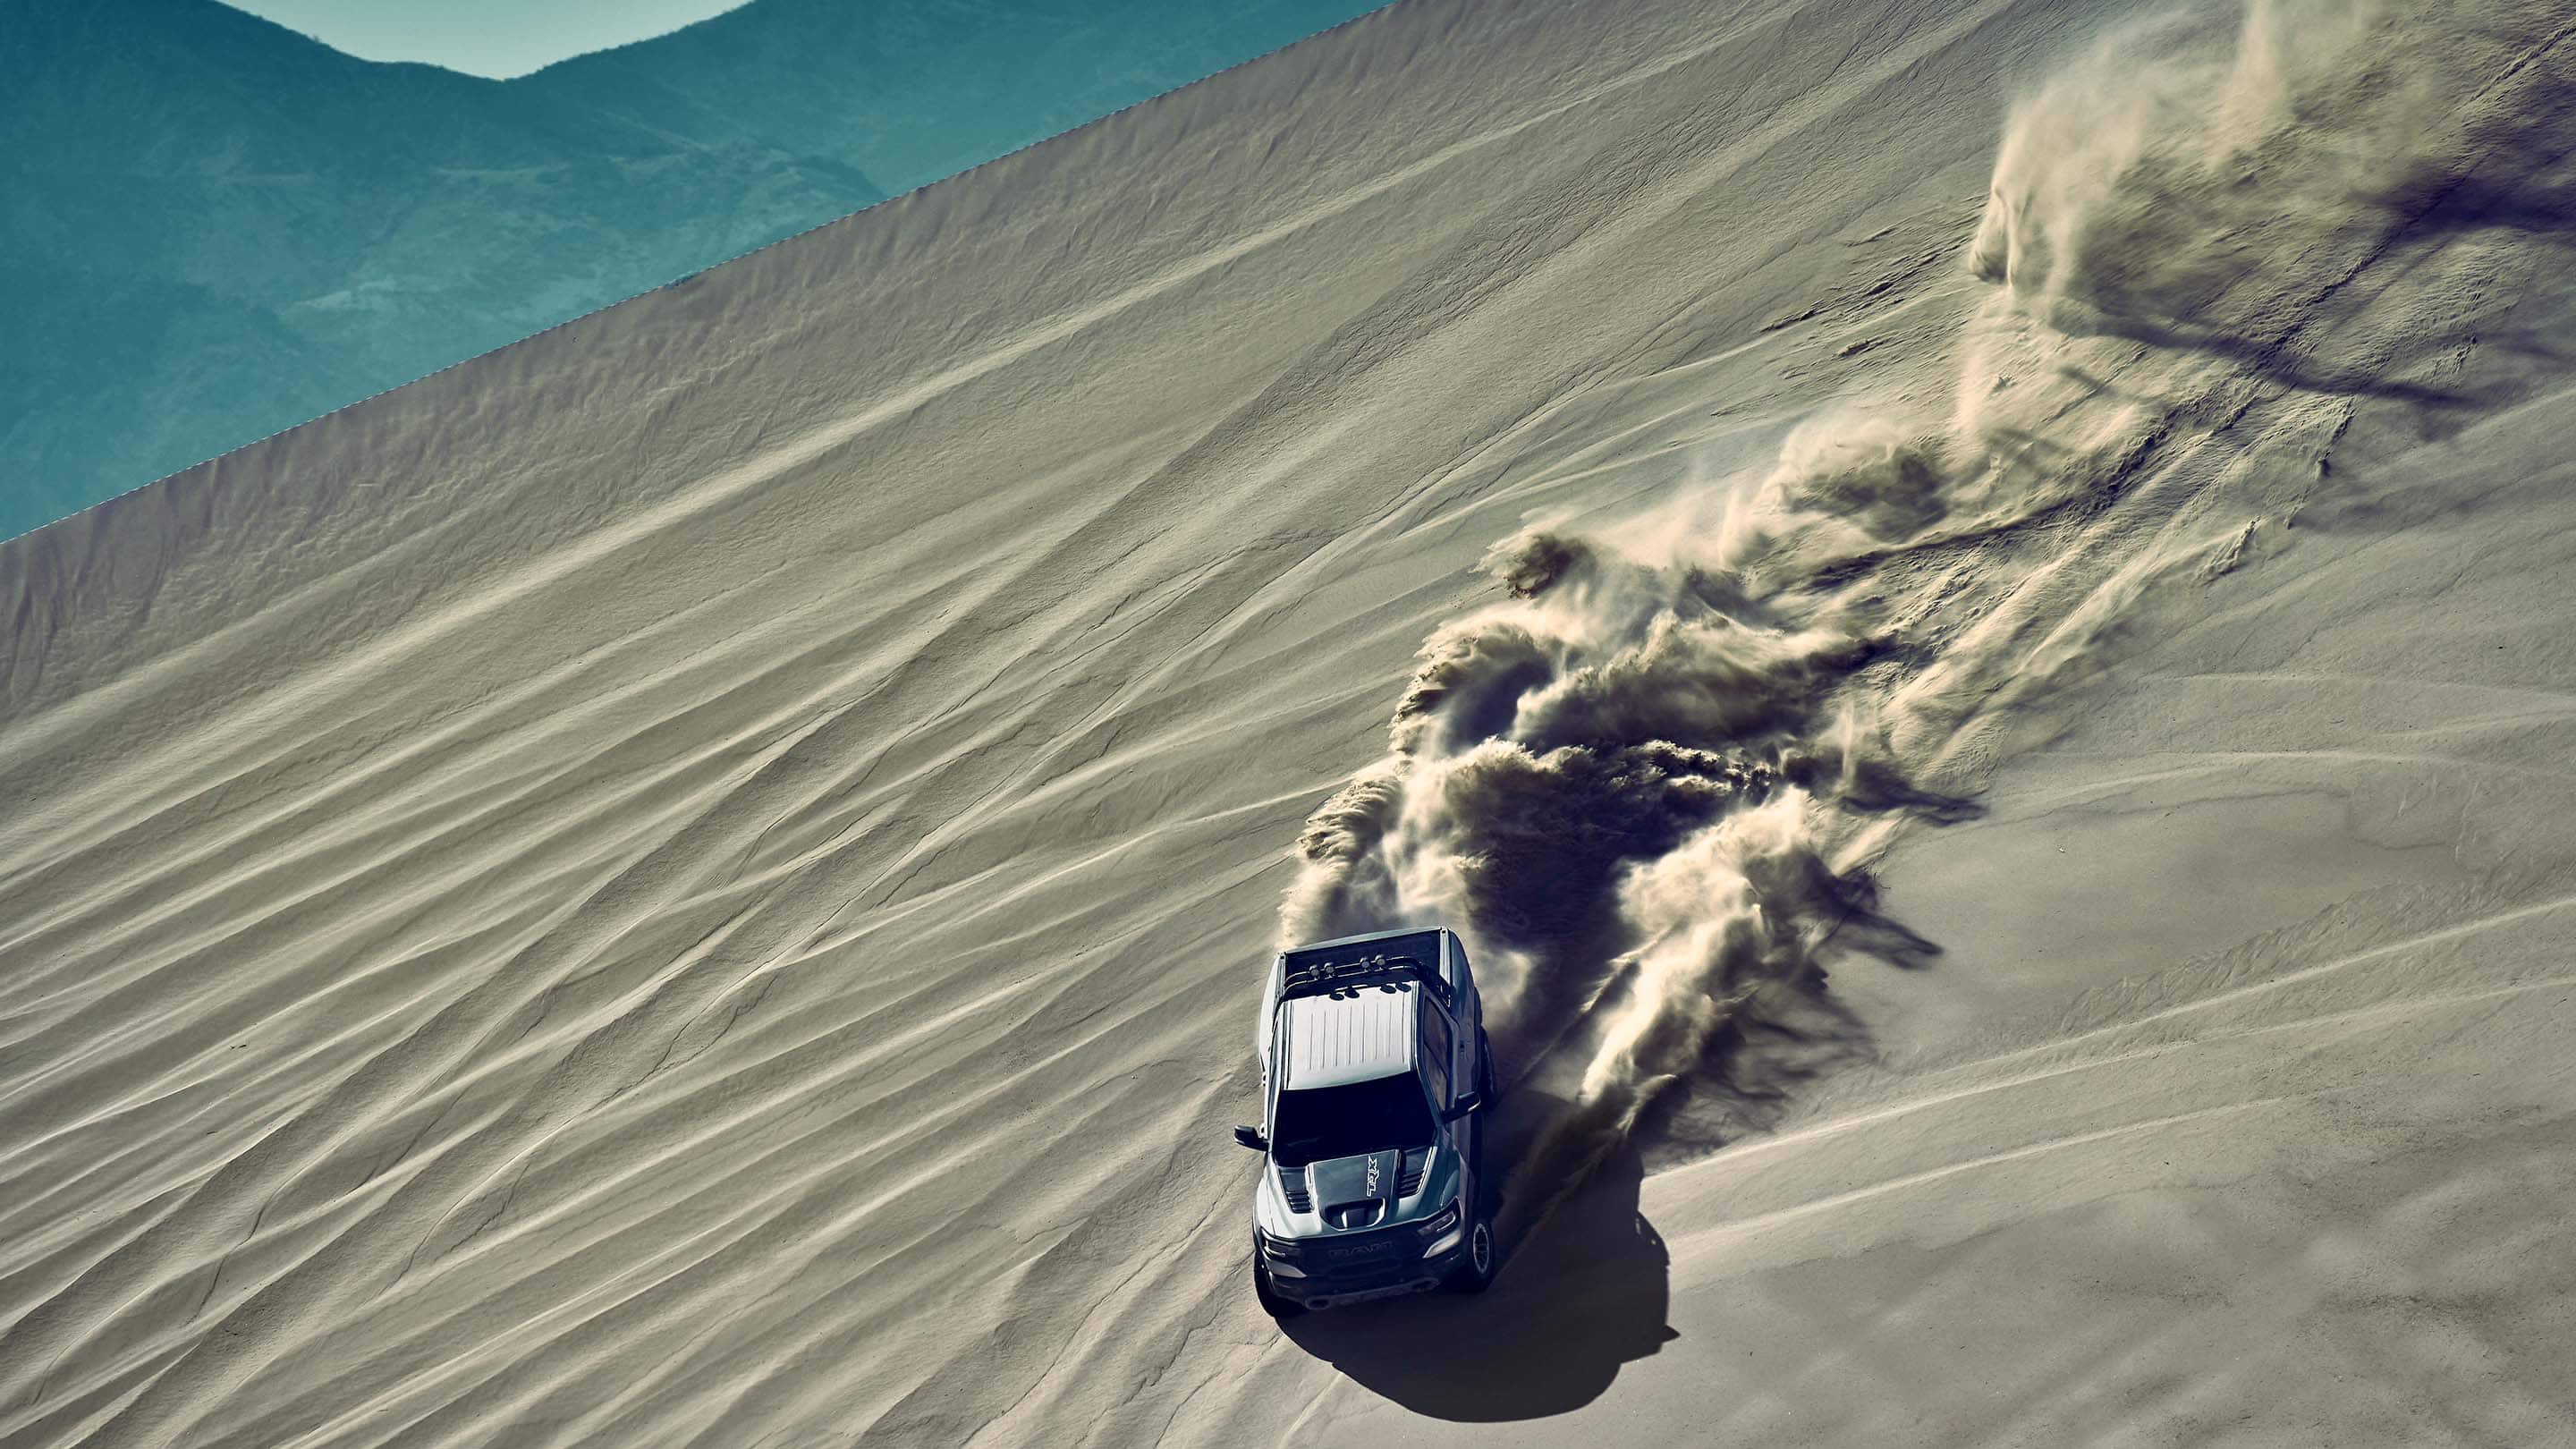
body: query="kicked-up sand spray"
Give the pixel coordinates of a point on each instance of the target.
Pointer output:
(1648, 781)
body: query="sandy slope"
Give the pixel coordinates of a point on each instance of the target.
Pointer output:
(698, 879)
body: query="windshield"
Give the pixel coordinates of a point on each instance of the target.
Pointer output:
(1317, 1124)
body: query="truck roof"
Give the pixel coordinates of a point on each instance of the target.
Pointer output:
(1351, 1035)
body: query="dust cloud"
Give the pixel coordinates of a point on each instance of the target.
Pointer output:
(1646, 782)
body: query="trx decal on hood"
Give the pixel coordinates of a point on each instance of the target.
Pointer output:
(1357, 1192)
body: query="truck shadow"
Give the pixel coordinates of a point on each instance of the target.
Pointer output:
(1584, 1294)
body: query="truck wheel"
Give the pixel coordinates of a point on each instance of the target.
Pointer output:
(1273, 1302)
(1475, 1272)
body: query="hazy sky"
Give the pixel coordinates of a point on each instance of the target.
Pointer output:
(486, 37)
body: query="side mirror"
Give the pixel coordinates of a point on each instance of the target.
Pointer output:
(1251, 1137)
(1467, 1102)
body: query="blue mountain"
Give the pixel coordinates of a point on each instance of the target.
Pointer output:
(214, 228)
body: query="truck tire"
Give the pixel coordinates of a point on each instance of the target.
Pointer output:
(1475, 1272)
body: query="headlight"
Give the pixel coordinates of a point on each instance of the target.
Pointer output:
(1279, 1247)
(1433, 1227)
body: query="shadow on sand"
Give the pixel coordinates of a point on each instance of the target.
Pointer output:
(1583, 1295)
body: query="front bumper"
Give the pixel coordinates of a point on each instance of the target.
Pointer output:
(1357, 1273)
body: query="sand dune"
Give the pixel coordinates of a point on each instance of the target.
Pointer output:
(1981, 593)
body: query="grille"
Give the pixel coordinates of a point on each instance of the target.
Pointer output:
(1408, 1177)
(1361, 1252)
(1292, 1185)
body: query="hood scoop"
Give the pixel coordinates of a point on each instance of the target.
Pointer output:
(1355, 1214)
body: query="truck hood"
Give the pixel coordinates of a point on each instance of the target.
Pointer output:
(1355, 1192)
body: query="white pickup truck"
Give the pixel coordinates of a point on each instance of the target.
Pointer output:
(1375, 1081)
